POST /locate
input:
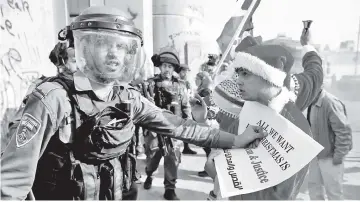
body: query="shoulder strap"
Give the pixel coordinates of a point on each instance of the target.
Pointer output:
(69, 88)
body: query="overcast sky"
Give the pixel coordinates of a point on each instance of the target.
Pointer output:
(334, 20)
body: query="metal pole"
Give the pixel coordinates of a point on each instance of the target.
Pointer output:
(248, 14)
(357, 49)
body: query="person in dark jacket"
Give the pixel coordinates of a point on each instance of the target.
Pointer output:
(331, 128)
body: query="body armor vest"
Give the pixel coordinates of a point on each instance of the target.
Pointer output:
(168, 97)
(91, 167)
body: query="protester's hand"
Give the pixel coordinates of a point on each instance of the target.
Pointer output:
(337, 160)
(198, 109)
(251, 137)
(254, 144)
(210, 164)
(305, 38)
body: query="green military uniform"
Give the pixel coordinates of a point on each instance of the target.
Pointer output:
(163, 97)
(46, 119)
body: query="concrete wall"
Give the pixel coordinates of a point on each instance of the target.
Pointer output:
(61, 15)
(141, 12)
(27, 37)
(177, 23)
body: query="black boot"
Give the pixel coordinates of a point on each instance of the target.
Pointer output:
(148, 182)
(187, 149)
(203, 174)
(170, 195)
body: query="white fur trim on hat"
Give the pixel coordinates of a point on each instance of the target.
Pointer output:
(259, 68)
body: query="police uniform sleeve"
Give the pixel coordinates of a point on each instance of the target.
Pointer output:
(150, 117)
(40, 118)
(308, 83)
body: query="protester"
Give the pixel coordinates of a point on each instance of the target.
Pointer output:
(330, 128)
(226, 95)
(262, 75)
(66, 145)
(210, 65)
(183, 71)
(203, 82)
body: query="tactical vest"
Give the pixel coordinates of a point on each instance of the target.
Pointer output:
(168, 97)
(97, 164)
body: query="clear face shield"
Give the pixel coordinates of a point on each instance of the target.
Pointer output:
(106, 56)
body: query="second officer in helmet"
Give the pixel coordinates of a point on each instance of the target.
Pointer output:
(168, 92)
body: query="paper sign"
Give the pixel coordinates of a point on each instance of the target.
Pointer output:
(285, 151)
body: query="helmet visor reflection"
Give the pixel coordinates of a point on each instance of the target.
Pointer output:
(106, 56)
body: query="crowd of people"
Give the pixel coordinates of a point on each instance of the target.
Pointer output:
(77, 136)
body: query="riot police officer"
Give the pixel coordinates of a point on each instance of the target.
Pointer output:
(72, 137)
(168, 92)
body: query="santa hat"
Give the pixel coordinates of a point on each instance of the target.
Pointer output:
(226, 94)
(270, 62)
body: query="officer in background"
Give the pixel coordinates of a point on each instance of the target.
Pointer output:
(170, 93)
(183, 71)
(63, 57)
(72, 139)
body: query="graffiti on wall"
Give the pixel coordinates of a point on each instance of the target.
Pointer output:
(178, 41)
(26, 38)
(197, 10)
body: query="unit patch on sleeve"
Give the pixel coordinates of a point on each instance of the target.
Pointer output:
(28, 127)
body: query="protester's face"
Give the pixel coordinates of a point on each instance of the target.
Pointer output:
(167, 70)
(251, 86)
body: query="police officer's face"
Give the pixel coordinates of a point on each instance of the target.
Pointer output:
(167, 70)
(109, 54)
(105, 56)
